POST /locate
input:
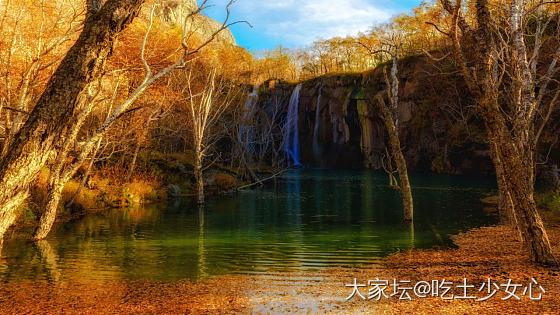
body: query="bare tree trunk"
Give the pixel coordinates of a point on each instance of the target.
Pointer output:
(143, 136)
(390, 118)
(518, 175)
(49, 216)
(206, 108)
(58, 176)
(398, 156)
(57, 180)
(406, 190)
(198, 175)
(47, 123)
(505, 206)
(491, 61)
(86, 175)
(116, 15)
(133, 163)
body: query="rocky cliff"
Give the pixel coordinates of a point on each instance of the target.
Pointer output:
(175, 12)
(340, 127)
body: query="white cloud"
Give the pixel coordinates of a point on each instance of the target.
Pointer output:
(298, 23)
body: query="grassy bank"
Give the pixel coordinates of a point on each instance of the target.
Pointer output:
(108, 186)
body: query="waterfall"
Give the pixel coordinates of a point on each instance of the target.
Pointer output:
(245, 133)
(291, 143)
(252, 99)
(316, 148)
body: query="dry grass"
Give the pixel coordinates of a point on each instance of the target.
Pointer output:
(139, 191)
(86, 199)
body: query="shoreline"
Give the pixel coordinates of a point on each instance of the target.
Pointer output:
(481, 253)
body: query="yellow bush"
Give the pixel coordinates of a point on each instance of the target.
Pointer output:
(139, 191)
(100, 183)
(86, 199)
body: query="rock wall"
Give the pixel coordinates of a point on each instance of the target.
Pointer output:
(440, 130)
(175, 12)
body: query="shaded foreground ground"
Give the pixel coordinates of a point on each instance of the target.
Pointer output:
(490, 252)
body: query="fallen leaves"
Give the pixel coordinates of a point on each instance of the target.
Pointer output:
(488, 252)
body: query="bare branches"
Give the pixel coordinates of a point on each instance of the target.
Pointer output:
(539, 6)
(206, 105)
(458, 20)
(225, 25)
(503, 80)
(375, 52)
(94, 141)
(143, 53)
(433, 58)
(439, 29)
(16, 110)
(454, 11)
(545, 120)
(387, 164)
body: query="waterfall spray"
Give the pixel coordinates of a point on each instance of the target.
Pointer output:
(245, 132)
(291, 136)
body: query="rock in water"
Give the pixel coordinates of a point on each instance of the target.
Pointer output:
(173, 191)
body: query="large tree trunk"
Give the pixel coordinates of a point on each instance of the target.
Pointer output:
(8, 212)
(517, 168)
(489, 63)
(58, 178)
(48, 122)
(505, 206)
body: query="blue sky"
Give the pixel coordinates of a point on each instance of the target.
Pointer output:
(297, 23)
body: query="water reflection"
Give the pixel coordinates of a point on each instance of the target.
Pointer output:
(201, 250)
(307, 219)
(49, 258)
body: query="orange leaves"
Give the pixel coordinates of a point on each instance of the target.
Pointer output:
(34, 35)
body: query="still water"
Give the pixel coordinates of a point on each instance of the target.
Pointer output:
(308, 219)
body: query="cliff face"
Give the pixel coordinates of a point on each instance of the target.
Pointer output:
(175, 12)
(440, 130)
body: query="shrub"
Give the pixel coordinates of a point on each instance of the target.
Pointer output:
(86, 199)
(140, 191)
(549, 201)
(225, 181)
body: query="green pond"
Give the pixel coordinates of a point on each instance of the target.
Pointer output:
(306, 220)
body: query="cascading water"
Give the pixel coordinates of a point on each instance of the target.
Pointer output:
(245, 132)
(316, 149)
(291, 143)
(252, 99)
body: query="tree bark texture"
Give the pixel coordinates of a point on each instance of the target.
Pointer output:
(519, 185)
(511, 134)
(48, 122)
